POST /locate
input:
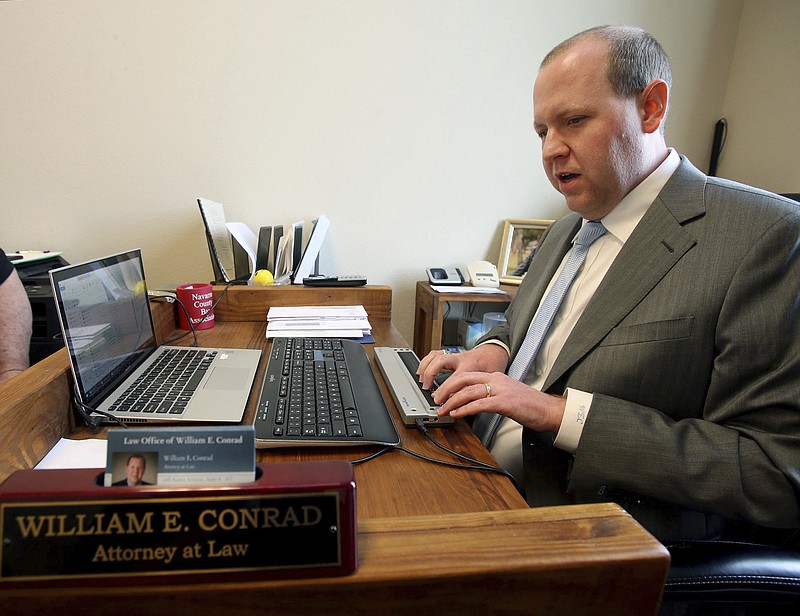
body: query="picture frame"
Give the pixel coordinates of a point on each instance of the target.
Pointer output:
(520, 239)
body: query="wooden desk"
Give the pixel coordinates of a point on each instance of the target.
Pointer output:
(429, 312)
(431, 539)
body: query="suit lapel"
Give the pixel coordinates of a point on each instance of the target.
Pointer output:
(655, 246)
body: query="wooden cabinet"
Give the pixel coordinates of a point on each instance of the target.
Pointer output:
(429, 312)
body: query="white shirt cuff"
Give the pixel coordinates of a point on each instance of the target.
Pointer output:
(575, 414)
(498, 343)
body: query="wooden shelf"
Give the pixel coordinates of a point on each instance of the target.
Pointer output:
(429, 312)
(249, 303)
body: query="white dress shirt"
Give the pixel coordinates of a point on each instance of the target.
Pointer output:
(620, 223)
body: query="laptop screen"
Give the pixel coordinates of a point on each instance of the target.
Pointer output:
(105, 317)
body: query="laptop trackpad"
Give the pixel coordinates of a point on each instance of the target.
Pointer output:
(227, 378)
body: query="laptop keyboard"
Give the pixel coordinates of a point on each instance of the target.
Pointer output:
(167, 385)
(308, 396)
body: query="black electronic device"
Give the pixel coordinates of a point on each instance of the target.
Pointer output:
(334, 281)
(720, 132)
(399, 369)
(307, 264)
(262, 248)
(445, 275)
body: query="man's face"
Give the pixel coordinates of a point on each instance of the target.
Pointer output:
(592, 139)
(134, 470)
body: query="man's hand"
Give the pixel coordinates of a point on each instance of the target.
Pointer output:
(483, 358)
(479, 385)
(470, 393)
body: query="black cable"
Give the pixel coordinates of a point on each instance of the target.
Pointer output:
(474, 465)
(192, 328)
(210, 311)
(483, 465)
(471, 306)
(180, 337)
(94, 422)
(224, 291)
(170, 299)
(374, 455)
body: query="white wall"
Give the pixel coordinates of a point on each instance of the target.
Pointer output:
(407, 122)
(763, 98)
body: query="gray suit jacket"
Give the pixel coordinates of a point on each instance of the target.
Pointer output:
(691, 347)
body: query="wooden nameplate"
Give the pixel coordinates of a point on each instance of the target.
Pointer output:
(62, 526)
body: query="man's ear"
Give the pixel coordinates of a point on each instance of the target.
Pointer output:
(653, 103)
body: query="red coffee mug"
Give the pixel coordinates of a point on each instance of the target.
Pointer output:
(198, 300)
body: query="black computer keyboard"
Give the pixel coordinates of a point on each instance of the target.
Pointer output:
(321, 391)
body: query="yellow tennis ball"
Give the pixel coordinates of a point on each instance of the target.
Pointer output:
(263, 278)
(139, 289)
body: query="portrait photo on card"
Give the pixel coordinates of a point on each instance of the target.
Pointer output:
(135, 468)
(520, 240)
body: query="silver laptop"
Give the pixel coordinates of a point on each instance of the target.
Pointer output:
(118, 368)
(399, 368)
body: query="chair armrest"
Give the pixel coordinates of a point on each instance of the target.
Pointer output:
(724, 571)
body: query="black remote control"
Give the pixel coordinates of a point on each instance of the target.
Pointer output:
(335, 281)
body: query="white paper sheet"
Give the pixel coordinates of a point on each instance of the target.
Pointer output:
(247, 240)
(316, 312)
(463, 289)
(84, 453)
(317, 333)
(315, 324)
(318, 322)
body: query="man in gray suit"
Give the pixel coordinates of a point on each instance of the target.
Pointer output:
(669, 381)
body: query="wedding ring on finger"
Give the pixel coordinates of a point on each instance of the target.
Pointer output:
(488, 390)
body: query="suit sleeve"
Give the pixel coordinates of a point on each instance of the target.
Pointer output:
(740, 457)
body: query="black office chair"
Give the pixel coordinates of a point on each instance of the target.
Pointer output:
(731, 578)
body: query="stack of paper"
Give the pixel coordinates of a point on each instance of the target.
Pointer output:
(466, 289)
(318, 322)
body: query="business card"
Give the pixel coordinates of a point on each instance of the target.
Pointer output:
(180, 456)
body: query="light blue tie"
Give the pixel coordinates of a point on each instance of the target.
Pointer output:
(486, 424)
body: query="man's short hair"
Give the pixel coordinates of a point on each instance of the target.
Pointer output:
(138, 456)
(635, 57)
